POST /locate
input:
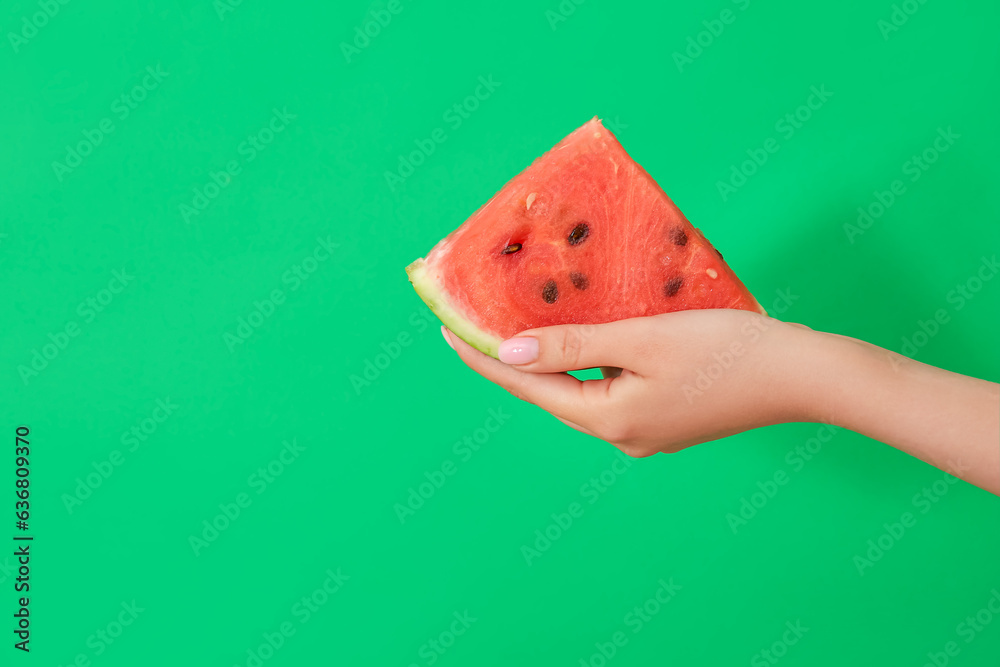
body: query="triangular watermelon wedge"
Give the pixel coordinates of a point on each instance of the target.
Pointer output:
(583, 235)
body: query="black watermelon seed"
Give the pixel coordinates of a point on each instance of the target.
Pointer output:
(512, 248)
(579, 233)
(579, 280)
(719, 254)
(678, 236)
(673, 286)
(550, 292)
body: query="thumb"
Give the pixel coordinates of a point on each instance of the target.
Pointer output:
(573, 347)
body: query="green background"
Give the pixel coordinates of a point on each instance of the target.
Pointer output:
(164, 335)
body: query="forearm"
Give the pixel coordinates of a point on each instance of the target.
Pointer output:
(951, 421)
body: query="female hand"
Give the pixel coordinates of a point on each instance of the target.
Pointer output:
(687, 377)
(698, 375)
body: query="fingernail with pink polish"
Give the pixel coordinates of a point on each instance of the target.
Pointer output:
(444, 334)
(519, 350)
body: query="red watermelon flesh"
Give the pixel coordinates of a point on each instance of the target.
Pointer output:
(583, 235)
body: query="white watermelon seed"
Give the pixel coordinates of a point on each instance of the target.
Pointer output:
(529, 201)
(712, 273)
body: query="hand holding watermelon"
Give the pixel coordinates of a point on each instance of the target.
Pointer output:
(582, 261)
(699, 375)
(685, 377)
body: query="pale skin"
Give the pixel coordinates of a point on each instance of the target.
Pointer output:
(700, 375)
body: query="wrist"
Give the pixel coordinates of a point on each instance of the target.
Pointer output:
(847, 374)
(823, 376)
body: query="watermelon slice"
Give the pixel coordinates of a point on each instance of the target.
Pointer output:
(583, 235)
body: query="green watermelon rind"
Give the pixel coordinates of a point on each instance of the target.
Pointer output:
(430, 291)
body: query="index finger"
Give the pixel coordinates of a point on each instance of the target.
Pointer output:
(558, 393)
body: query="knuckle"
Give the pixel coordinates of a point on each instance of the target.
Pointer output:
(571, 347)
(626, 436)
(635, 451)
(517, 393)
(616, 431)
